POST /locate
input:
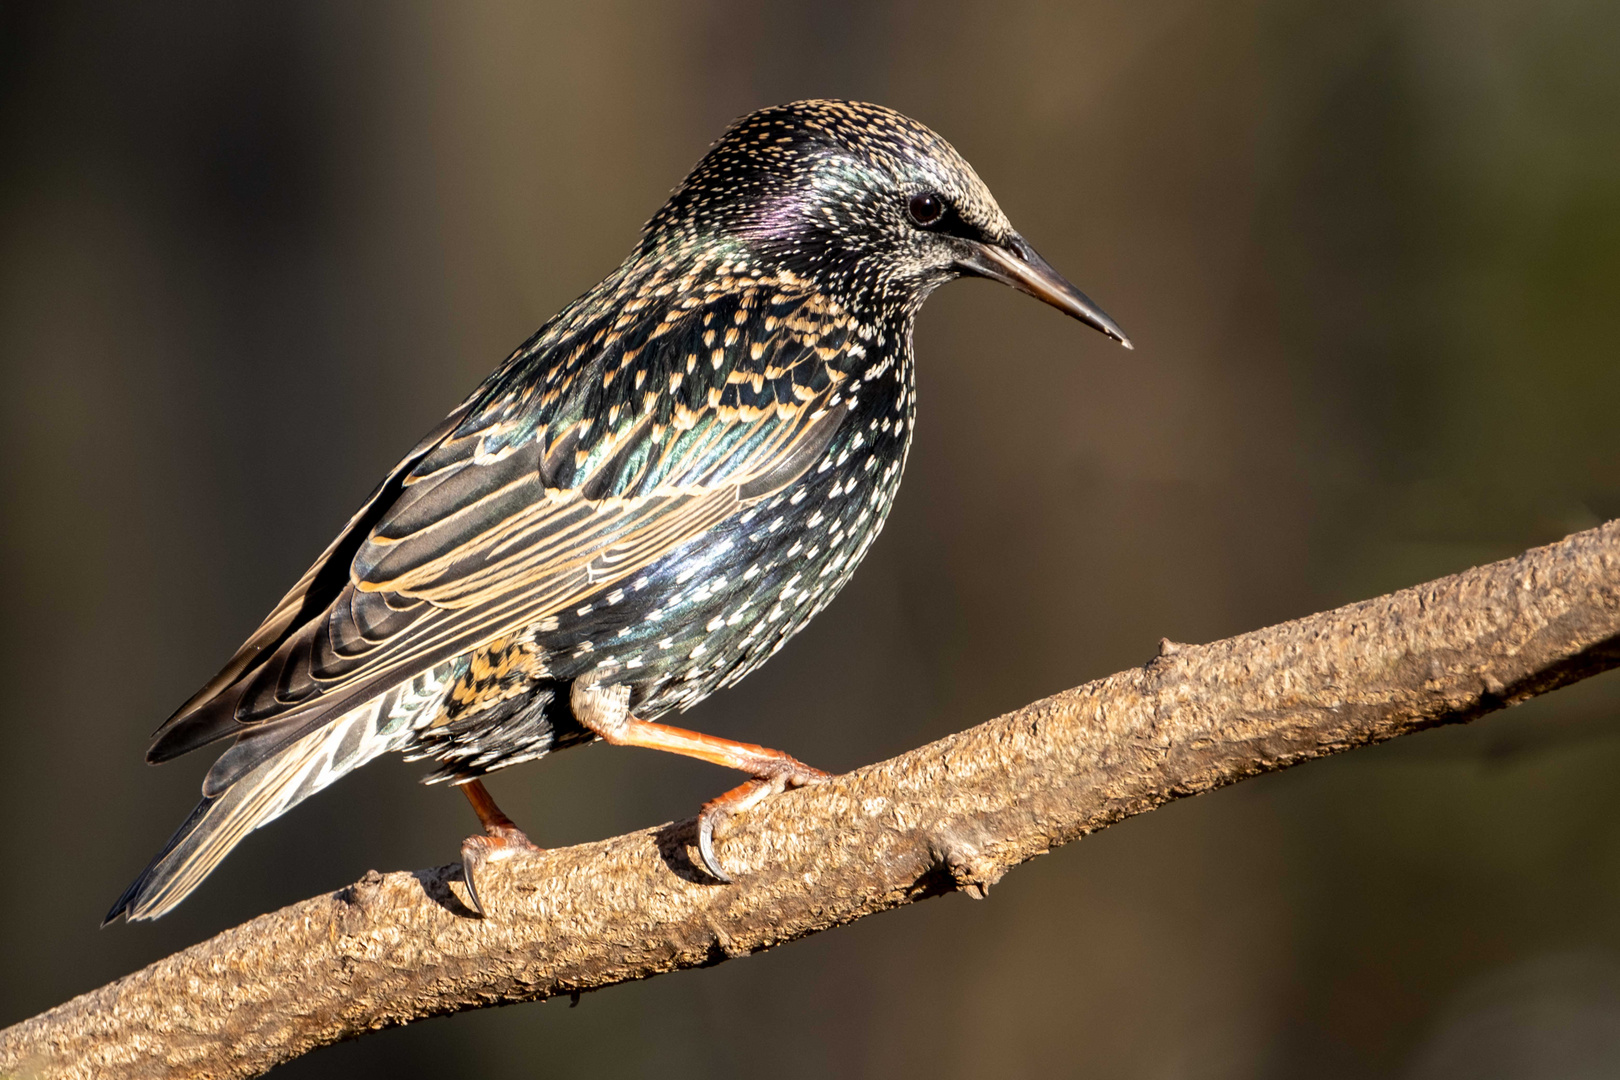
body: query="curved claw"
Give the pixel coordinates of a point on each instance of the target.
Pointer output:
(711, 862)
(469, 862)
(476, 851)
(745, 796)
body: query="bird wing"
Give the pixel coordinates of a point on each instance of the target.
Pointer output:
(577, 465)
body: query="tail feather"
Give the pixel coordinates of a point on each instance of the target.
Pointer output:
(297, 771)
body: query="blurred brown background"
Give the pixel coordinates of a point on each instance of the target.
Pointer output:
(1369, 253)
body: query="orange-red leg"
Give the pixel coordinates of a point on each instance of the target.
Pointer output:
(501, 839)
(605, 710)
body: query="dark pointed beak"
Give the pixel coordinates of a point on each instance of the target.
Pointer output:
(1021, 266)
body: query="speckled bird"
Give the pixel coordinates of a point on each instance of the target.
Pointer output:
(639, 507)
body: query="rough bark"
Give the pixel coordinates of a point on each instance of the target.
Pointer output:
(953, 815)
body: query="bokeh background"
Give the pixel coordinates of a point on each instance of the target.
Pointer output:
(1369, 253)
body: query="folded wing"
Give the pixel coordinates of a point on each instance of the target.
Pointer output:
(577, 465)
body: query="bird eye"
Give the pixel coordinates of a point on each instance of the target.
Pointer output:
(926, 208)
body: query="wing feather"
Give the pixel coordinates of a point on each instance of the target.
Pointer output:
(514, 511)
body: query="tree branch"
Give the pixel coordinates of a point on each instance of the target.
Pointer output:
(953, 815)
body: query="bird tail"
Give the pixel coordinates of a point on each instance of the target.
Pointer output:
(291, 775)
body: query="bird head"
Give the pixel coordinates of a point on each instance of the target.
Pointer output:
(860, 200)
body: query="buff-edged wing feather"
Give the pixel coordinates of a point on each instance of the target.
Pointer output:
(531, 501)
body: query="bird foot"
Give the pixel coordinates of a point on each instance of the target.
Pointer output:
(498, 844)
(714, 819)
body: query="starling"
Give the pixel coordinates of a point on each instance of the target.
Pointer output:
(639, 507)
